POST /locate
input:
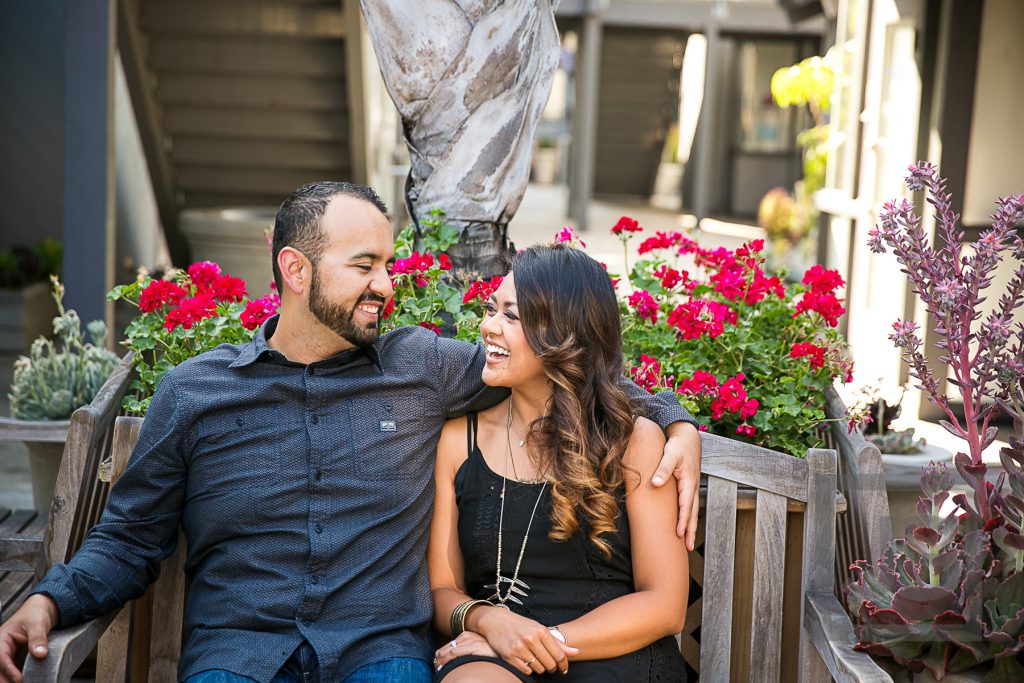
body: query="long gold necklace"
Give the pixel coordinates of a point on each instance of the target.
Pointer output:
(516, 586)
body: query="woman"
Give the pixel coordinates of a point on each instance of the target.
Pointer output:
(549, 548)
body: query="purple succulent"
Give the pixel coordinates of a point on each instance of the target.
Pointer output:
(950, 595)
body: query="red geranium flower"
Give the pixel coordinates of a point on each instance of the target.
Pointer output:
(258, 310)
(436, 329)
(158, 293)
(814, 354)
(190, 311)
(627, 225)
(203, 273)
(226, 288)
(482, 289)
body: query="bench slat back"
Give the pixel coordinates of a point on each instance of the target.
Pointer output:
(719, 551)
(79, 495)
(769, 570)
(144, 641)
(777, 479)
(866, 527)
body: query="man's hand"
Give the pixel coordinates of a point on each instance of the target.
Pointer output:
(682, 459)
(26, 629)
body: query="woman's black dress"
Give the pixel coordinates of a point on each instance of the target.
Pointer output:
(566, 579)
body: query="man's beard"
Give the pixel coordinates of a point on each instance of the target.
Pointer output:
(339, 319)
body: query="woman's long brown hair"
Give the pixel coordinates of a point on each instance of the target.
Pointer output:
(570, 317)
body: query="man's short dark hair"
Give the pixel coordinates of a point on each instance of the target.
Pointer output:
(298, 220)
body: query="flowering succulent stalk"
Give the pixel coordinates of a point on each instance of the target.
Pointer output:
(57, 377)
(985, 359)
(951, 594)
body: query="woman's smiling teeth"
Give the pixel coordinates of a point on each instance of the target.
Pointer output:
(495, 350)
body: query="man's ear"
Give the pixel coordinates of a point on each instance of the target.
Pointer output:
(295, 270)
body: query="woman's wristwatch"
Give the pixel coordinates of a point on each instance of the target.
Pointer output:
(557, 634)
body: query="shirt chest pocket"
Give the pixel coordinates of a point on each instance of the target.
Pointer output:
(394, 438)
(239, 450)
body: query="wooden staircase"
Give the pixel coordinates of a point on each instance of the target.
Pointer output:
(246, 99)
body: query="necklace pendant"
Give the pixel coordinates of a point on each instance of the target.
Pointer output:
(522, 443)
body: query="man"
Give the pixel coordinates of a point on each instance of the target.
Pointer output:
(300, 468)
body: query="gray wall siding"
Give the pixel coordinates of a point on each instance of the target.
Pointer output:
(31, 120)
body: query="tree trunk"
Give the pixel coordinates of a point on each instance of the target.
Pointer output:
(470, 79)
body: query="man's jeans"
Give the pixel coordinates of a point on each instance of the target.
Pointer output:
(302, 667)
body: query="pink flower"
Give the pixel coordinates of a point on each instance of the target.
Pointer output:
(746, 430)
(158, 293)
(670, 277)
(648, 373)
(644, 304)
(732, 398)
(567, 234)
(415, 265)
(258, 310)
(444, 261)
(203, 273)
(702, 382)
(626, 225)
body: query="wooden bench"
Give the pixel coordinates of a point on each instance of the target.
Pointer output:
(866, 528)
(24, 528)
(144, 639)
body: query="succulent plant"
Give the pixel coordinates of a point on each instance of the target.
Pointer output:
(950, 595)
(59, 376)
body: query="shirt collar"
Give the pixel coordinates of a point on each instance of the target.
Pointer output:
(259, 347)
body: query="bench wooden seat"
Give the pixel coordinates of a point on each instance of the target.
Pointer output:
(22, 529)
(143, 640)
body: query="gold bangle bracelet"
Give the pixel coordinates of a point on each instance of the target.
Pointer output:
(457, 621)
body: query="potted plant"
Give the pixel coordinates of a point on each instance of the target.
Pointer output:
(51, 383)
(182, 315)
(949, 596)
(26, 306)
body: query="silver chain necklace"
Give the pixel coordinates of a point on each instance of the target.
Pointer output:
(515, 585)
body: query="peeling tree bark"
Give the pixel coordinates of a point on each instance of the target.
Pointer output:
(470, 79)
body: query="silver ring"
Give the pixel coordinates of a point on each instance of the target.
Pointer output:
(453, 644)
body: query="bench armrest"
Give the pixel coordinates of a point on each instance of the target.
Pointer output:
(68, 648)
(833, 637)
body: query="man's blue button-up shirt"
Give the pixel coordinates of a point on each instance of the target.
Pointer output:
(304, 492)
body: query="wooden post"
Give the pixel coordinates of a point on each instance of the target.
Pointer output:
(88, 233)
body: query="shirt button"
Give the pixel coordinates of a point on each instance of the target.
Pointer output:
(315, 419)
(314, 579)
(318, 475)
(319, 529)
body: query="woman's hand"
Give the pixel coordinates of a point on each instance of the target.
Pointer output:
(468, 643)
(524, 643)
